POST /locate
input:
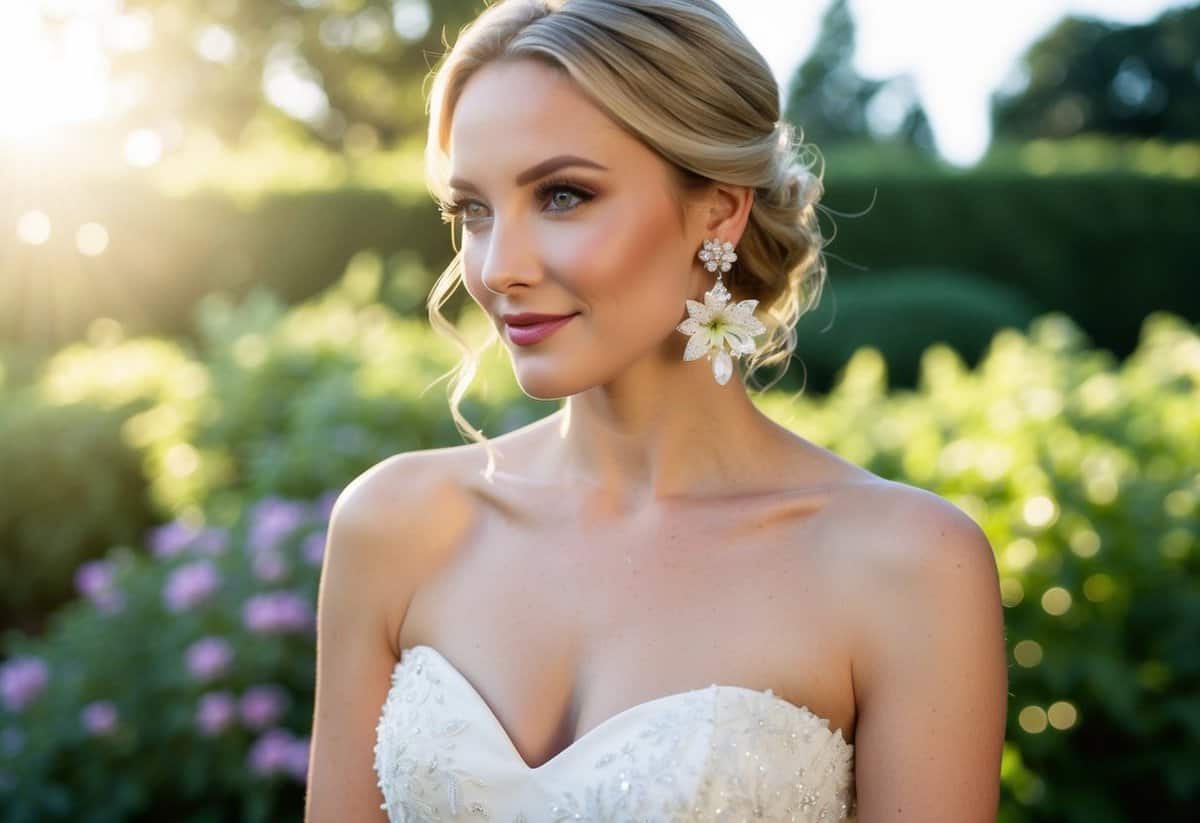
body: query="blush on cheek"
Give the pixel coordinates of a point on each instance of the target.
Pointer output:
(626, 250)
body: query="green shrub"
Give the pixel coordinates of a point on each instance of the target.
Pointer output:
(276, 401)
(1080, 469)
(71, 489)
(181, 689)
(901, 313)
(1084, 476)
(279, 400)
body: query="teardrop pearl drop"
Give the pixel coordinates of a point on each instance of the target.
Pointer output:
(722, 367)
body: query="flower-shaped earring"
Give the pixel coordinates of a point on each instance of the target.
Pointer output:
(714, 322)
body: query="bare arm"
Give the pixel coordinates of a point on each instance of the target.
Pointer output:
(930, 671)
(361, 581)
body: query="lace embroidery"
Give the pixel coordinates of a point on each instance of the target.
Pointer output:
(714, 754)
(415, 750)
(754, 746)
(643, 775)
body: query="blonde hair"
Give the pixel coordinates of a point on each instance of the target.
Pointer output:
(681, 77)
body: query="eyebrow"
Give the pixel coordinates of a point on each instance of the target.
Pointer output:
(535, 172)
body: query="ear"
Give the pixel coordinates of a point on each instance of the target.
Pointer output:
(728, 212)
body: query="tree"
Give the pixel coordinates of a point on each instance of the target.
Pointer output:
(832, 103)
(325, 64)
(1089, 75)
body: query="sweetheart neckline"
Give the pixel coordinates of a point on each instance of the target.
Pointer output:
(823, 723)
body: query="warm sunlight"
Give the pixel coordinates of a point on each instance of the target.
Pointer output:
(57, 50)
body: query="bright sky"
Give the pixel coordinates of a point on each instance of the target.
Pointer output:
(958, 52)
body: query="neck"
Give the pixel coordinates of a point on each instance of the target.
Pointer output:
(662, 433)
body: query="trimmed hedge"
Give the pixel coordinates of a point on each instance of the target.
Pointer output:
(1105, 247)
(901, 313)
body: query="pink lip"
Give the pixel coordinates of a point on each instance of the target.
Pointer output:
(537, 332)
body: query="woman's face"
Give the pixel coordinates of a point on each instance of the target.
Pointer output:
(565, 213)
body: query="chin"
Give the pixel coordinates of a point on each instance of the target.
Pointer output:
(546, 389)
(548, 381)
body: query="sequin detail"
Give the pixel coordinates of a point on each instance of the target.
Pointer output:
(722, 753)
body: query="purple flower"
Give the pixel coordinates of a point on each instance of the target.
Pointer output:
(93, 577)
(94, 581)
(189, 585)
(263, 705)
(323, 508)
(209, 657)
(99, 717)
(215, 712)
(279, 751)
(170, 539)
(276, 612)
(176, 536)
(313, 548)
(269, 566)
(297, 765)
(211, 541)
(22, 680)
(274, 519)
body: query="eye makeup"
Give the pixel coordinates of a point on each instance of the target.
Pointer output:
(456, 209)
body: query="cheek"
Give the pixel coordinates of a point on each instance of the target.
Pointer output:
(629, 258)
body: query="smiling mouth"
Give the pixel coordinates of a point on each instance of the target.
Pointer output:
(529, 334)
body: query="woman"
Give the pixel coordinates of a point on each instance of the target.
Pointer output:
(654, 604)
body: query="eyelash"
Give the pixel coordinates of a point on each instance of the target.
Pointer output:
(453, 211)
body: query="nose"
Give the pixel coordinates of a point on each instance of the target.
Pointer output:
(511, 259)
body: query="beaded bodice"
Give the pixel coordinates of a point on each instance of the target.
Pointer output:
(721, 753)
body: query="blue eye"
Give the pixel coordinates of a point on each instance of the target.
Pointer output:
(461, 209)
(555, 187)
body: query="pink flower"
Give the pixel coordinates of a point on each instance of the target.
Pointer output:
(215, 712)
(99, 717)
(209, 657)
(190, 585)
(22, 680)
(263, 705)
(277, 612)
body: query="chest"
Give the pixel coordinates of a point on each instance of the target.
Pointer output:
(564, 611)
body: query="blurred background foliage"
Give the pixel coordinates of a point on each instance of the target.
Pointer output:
(212, 319)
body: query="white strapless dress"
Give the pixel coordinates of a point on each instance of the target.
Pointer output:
(721, 753)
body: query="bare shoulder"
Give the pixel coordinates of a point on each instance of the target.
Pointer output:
(392, 523)
(929, 656)
(394, 490)
(903, 549)
(377, 553)
(897, 529)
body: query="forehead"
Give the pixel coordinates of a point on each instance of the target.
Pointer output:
(516, 113)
